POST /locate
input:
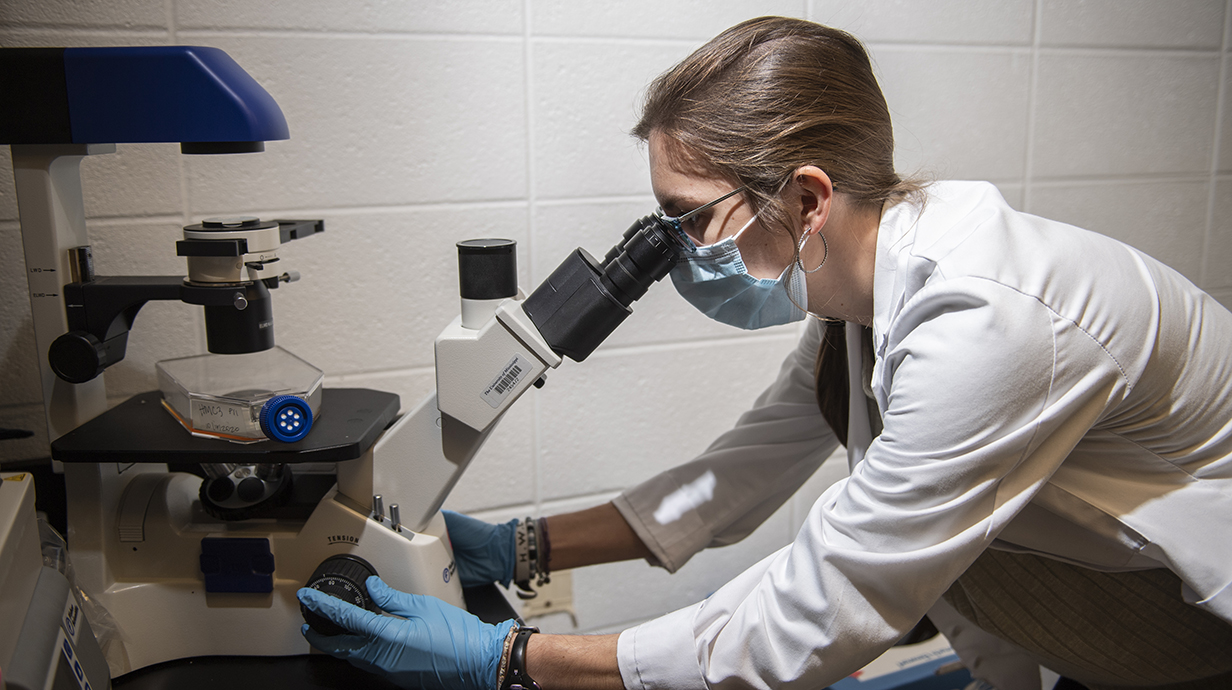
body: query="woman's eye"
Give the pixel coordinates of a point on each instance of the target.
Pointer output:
(694, 226)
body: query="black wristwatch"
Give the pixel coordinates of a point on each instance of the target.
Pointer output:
(516, 677)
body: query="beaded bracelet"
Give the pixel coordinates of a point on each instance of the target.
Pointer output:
(532, 556)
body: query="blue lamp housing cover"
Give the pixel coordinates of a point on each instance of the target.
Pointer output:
(184, 94)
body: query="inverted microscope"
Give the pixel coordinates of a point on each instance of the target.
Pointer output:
(197, 510)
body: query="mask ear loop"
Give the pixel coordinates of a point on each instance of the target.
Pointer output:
(742, 229)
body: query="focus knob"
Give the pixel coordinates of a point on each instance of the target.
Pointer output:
(343, 577)
(77, 357)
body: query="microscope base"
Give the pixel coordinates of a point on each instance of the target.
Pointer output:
(302, 672)
(159, 597)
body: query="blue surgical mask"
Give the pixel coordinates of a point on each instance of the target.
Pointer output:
(713, 278)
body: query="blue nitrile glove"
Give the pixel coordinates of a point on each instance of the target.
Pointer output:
(434, 645)
(484, 552)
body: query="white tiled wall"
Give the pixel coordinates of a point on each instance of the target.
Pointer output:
(416, 124)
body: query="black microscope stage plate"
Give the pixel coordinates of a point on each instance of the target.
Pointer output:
(140, 430)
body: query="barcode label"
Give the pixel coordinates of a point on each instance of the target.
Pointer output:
(510, 378)
(506, 381)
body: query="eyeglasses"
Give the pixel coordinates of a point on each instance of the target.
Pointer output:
(677, 222)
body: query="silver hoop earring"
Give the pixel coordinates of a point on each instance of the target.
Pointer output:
(803, 239)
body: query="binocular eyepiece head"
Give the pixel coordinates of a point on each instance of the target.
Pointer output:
(584, 300)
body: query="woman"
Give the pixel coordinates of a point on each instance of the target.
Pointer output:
(1037, 421)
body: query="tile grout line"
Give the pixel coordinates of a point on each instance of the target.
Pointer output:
(1204, 271)
(528, 96)
(276, 33)
(1028, 167)
(198, 321)
(1066, 180)
(1059, 51)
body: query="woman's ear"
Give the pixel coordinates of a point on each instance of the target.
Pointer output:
(816, 195)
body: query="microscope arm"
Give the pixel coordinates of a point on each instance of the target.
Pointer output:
(481, 371)
(420, 458)
(100, 313)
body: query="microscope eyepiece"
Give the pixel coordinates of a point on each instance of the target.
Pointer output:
(646, 253)
(583, 301)
(487, 269)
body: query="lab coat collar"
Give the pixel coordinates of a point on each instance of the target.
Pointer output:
(913, 237)
(895, 236)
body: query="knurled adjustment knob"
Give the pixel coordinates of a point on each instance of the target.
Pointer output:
(343, 577)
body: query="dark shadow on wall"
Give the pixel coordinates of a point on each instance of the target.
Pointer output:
(21, 398)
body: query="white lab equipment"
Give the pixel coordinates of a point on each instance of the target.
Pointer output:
(208, 563)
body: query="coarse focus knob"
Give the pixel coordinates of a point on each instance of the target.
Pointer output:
(77, 357)
(343, 577)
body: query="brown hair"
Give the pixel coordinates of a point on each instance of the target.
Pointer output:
(771, 95)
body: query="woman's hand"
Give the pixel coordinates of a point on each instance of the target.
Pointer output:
(433, 645)
(484, 552)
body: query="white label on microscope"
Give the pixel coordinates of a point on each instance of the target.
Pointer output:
(217, 417)
(506, 381)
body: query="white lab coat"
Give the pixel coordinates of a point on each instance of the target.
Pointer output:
(1042, 389)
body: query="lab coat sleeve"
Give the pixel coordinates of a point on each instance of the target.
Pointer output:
(724, 494)
(978, 412)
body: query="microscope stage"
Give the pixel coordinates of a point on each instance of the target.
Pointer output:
(140, 430)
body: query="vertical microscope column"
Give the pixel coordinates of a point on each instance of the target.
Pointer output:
(53, 220)
(52, 213)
